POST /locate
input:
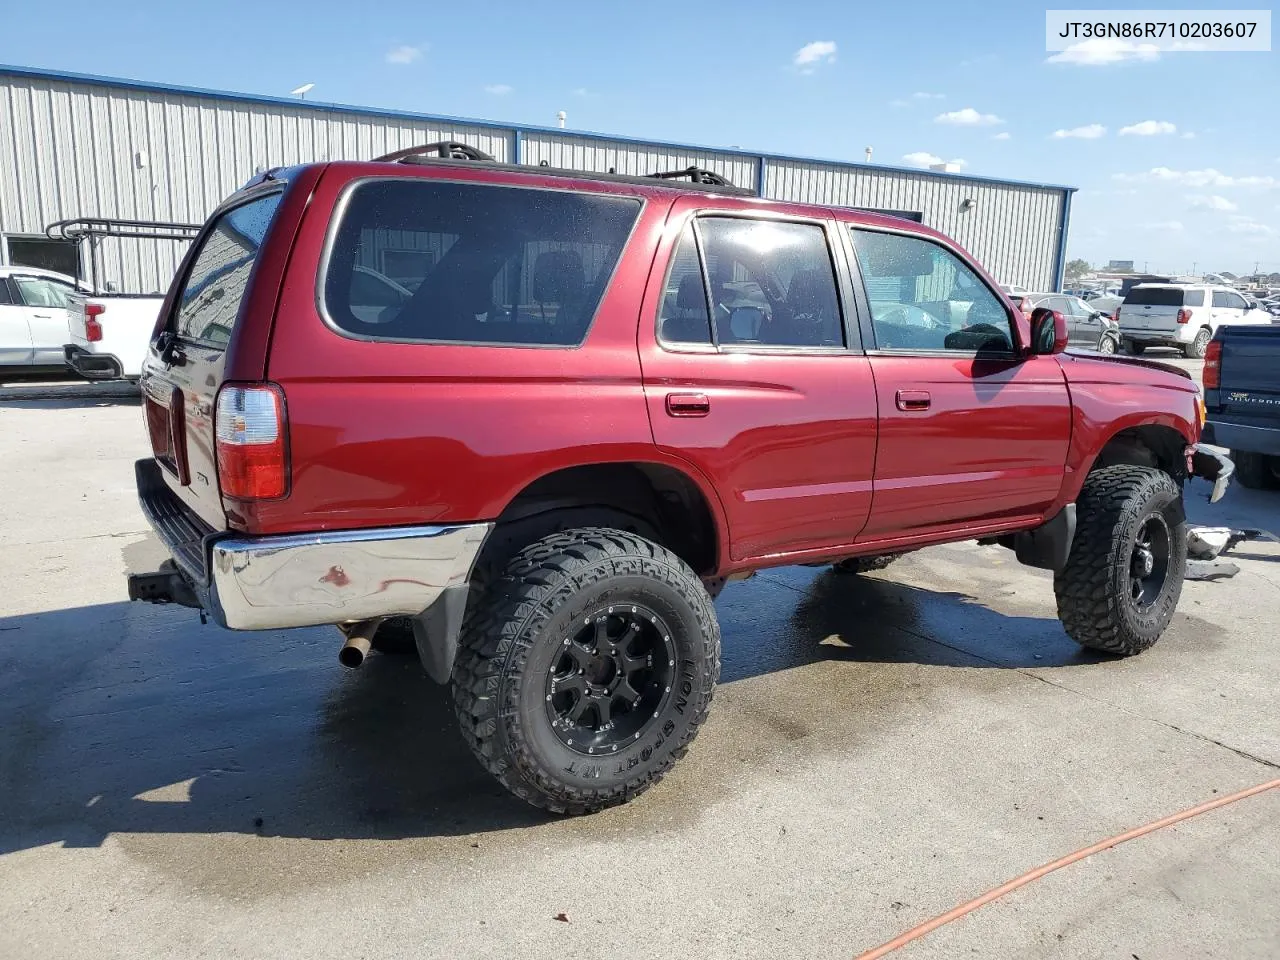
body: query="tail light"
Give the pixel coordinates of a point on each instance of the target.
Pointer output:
(1184, 316)
(1213, 365)
(252, 442)
(92, 328)
(1116, 315)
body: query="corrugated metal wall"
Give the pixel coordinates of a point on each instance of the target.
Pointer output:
(1012, 229)
(631, 159)
(71, 148)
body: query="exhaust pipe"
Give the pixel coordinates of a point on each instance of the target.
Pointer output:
(359, 638)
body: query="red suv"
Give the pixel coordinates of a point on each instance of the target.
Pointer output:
(527, 422)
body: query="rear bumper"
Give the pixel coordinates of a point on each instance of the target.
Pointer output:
(302, 580)
(92, 366)
(1157, 337)
(1237, 436)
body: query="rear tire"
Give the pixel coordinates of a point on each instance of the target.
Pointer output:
(1195, 350)
(1121, 584)
(1107, 345)
(1134, 349)
(553, 702)
(1253, 470)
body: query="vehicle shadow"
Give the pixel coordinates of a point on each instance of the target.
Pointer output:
(123, 718)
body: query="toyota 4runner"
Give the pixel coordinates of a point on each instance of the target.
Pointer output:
(525, 423)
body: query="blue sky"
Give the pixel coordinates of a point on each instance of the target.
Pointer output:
(1195, 180)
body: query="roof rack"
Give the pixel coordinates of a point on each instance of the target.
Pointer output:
(443, 149)
(450, 151)
(84, 227)
(695, 175)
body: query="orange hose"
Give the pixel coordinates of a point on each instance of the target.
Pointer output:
(929, 926)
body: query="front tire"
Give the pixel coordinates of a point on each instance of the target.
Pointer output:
(588, 670)
(1195, 350)
(1122, 581)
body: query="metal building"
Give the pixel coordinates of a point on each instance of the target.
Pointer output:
(82, 146)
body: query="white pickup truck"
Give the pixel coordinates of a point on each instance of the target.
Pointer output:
(109, 334)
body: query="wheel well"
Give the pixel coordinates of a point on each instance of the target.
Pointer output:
(1151, 445)
(662, 497)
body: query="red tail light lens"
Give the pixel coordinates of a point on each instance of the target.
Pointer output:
(1213, 365)
(1116, 315)
(252, 442)
(92, 328)
(1184, 316)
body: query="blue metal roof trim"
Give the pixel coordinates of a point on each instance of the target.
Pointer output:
(512, 128)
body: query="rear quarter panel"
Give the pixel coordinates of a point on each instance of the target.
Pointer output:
(385, 434)
(1115, 394)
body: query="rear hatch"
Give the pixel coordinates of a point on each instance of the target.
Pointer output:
(1250, 386)
(1151, 308)
(187, 358)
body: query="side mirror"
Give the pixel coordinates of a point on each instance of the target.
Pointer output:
(1048, 332)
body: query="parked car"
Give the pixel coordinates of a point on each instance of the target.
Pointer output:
(1242, 397)
(606, 397)
(33, 317)
(1108, 304)
(1184, 316)
(1086, 327)
(1013, 289)
(107, 334)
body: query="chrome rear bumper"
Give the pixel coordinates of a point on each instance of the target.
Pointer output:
(302, 580)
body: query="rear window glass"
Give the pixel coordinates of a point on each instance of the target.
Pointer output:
(1155, 296)
(1193, 298)
(423, 260)
(219, 276)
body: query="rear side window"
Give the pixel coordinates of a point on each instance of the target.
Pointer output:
(1155, 297)
(422, 260)
(219, 275)
(1193, 298)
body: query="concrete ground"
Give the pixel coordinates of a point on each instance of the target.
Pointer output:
(882, 748)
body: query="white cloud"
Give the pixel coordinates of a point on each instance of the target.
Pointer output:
(812, 55)
(923, 159)
(1104, 50)
(1195, 178)
(1090, 132)
(404, 54)
(582, 92)
(1148, 128)
(899, 103)
(1164, 226)
(928, 96)
(1250, 227)
(1003, 136)
(968, 117)
(499, 89)
(1189, 135)
(1213, 202)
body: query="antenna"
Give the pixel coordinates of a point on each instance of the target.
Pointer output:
(302, 91)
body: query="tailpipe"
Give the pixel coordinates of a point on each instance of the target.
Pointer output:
(359, 639)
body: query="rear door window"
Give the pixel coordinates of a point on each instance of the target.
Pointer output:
(1154, 297)
(219, 276)
(434, 261)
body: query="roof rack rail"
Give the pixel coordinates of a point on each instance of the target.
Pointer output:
(695, 174)
(82, 227)
(446, 149)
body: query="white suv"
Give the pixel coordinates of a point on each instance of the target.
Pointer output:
(1180, 315)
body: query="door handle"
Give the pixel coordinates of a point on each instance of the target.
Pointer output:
(914, 400)
(42, 316)
(688, 404)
